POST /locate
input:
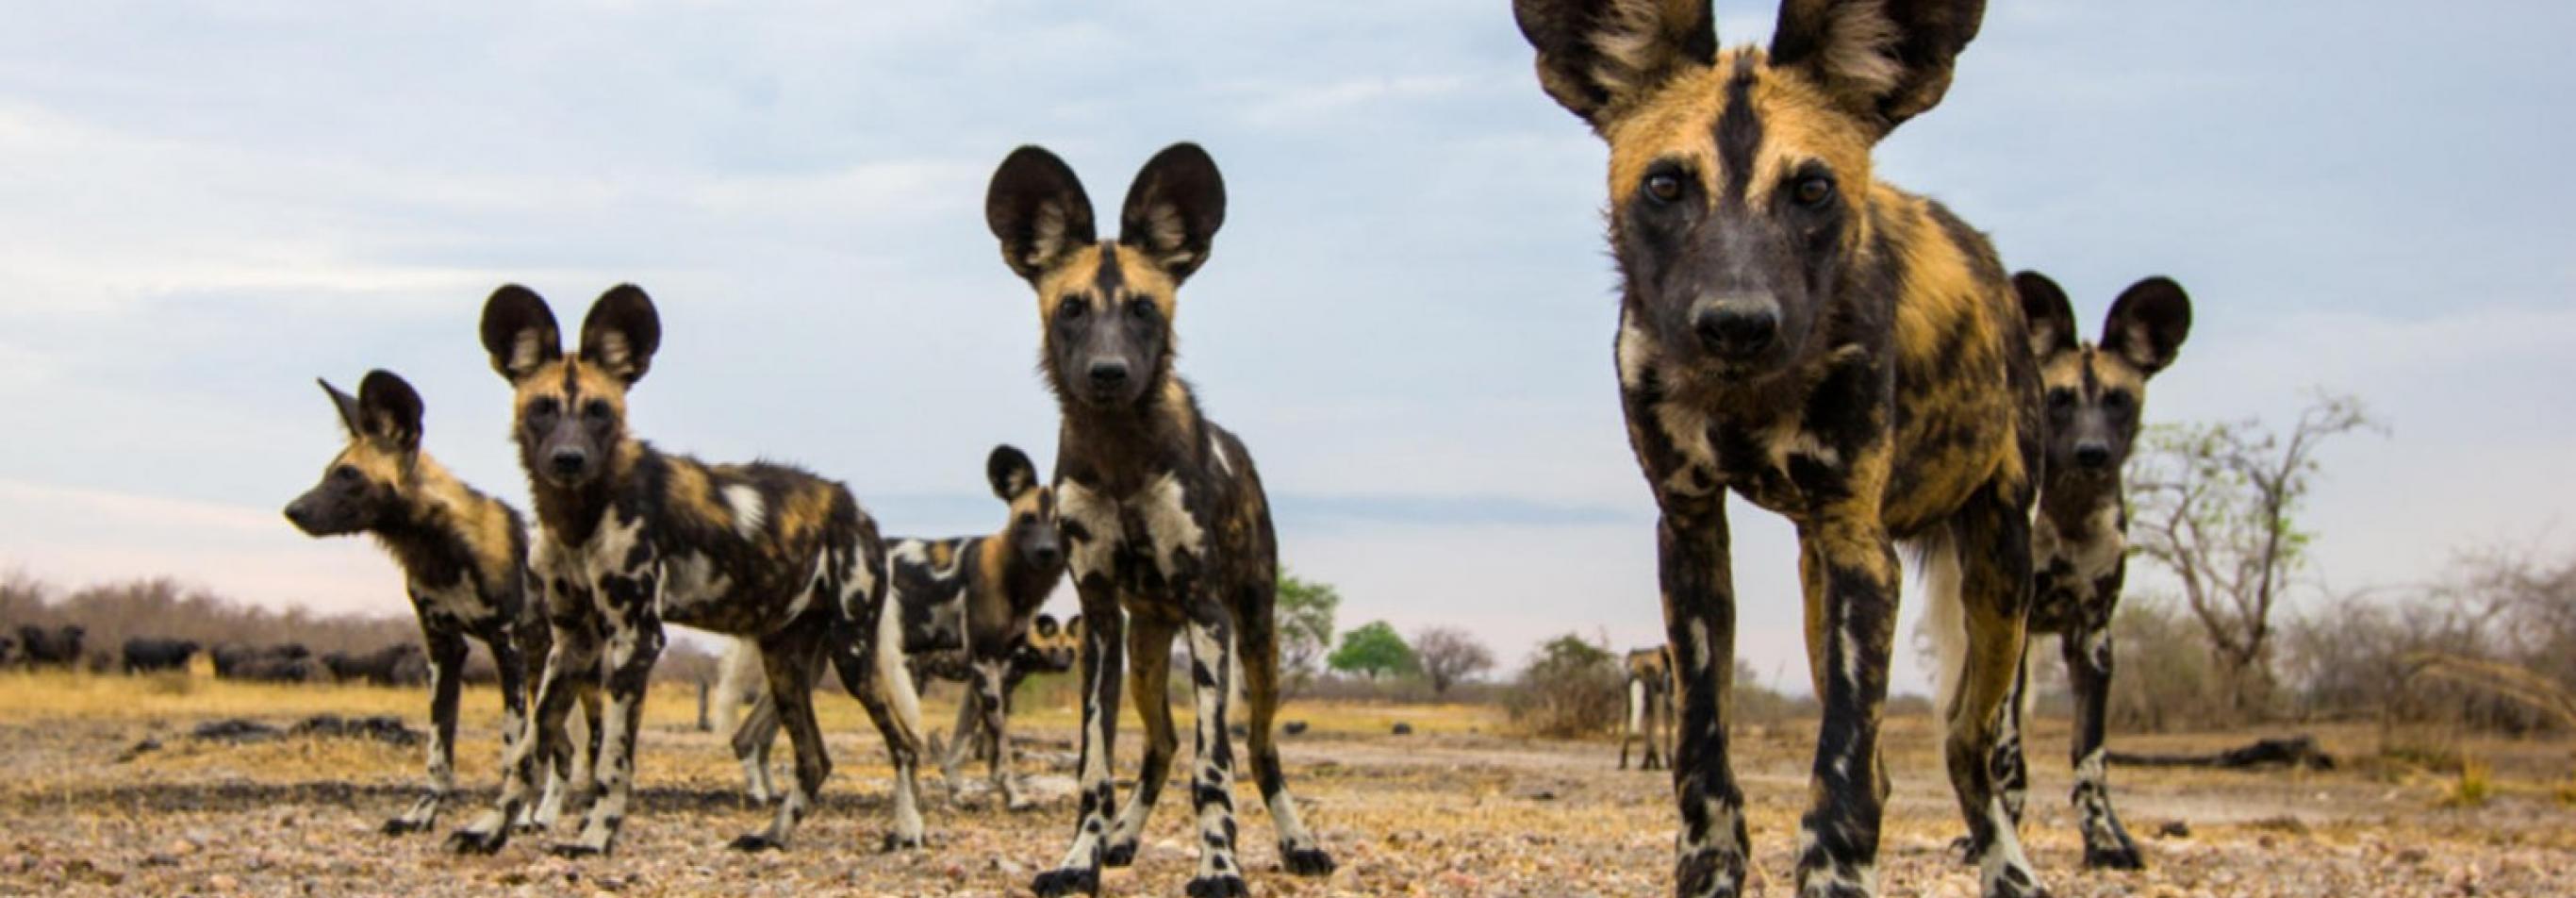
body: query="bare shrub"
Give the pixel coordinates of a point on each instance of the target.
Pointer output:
(2167, 680)
(1572, 689)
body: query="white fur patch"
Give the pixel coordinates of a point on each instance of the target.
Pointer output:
(1804, 443)
(1636, 353)
(742, 677)
(1946, 616)
(1099, 519)
(692, 578)
(1168, 523)
(1687, 428)
(1636, 706)
(748, 509)
(459, 599)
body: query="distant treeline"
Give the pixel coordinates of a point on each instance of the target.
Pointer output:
(162, 608)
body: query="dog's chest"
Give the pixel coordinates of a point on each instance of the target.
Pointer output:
(2075, 566)
(1149, 535)
(459, 603)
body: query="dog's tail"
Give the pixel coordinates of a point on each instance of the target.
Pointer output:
(1945, 616)
(741, 677)
(1636, 704)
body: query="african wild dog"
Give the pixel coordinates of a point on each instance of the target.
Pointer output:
(1163, 511)
(971, 596)
(463, 554)
(1833, 349)
(2079, 538)
(631, 538)
(1650, 706)
(147, 655)
(1050, 648)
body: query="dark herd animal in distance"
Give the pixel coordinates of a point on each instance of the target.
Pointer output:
(1828, 347)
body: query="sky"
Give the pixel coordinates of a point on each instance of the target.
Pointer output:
(1407, 316)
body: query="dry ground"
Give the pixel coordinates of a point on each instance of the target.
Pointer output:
(1453, 811)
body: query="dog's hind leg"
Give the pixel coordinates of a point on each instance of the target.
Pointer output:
(446, 677)
(789, 659)
(1988, 540)
(1149, 652)
(1258, 647)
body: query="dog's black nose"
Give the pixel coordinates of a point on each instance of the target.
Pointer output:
(1046, 555)
(2092, 455)
(1108, 373)
(296, 515)
(1736, 330)
(568, 462)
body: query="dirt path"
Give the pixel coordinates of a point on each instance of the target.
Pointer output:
(1447, 814)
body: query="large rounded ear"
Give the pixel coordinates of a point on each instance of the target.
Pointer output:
(621, 332)
(1599, 57)
(1036, 207)
(1010, 472)
(347, 406)
(2147, 323)
(390, 409)
(1073, 628)
(1881, 61)
(1173, 209)
(2046, 314)
(520, 332)
(1045, 625)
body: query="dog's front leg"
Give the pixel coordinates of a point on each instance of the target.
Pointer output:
(1848, 567)
(630, 601)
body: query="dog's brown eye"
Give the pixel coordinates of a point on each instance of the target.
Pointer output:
(2059, 400)
(545, 407)
(2115, 401)
(345, 472)
(1141, 310)
(1814, 190)
(1665, 187)
(597, 410)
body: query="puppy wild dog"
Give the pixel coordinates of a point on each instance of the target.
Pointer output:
(1051, 648)
(1650, 706)
(973, 597)
(1834, 350)
(2094, 393)
(1165, 516)
(463, 554)
(631, 538)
